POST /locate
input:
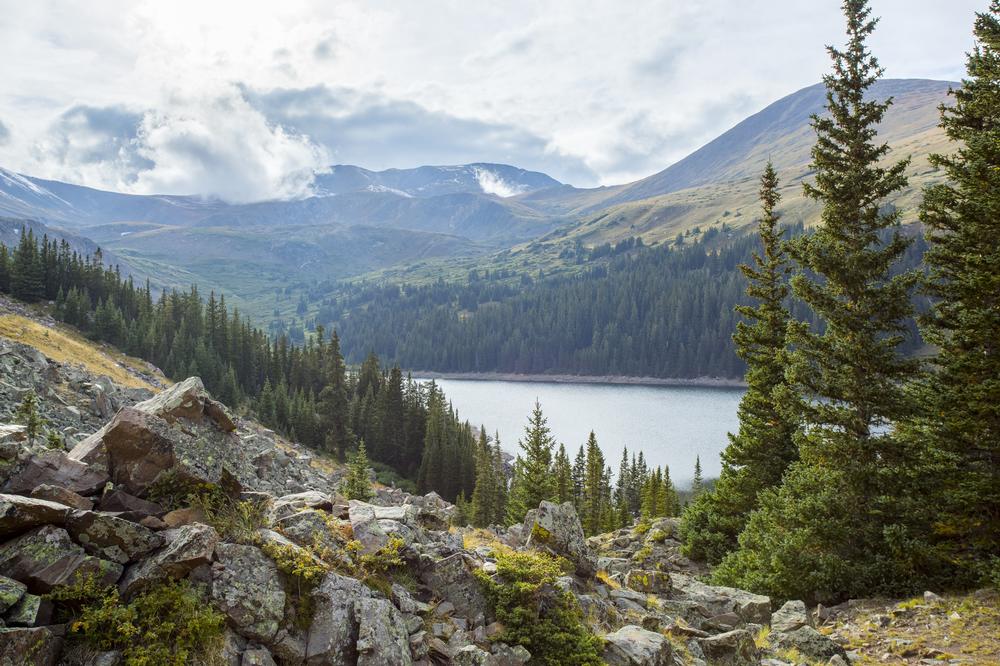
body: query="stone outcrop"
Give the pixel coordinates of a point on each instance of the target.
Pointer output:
(248, 591)
(556, 528)
(635, 646)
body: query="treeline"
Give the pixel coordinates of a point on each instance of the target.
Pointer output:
(661, 312)
(304, 391)
(857, 468)
(543, 471)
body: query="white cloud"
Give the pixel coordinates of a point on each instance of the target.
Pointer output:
(491, 183)
(594, 93)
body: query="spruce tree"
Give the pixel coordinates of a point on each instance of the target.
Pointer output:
(500, 487)
(758, 455)
(27, 280)
(563, 476)
(28, 415)
(592, 514)
(356, 484)
(483, 509)
(536, 481)
(961, 415)
(838, 525)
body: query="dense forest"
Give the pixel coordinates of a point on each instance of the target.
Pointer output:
(666, 311)
(308, 393)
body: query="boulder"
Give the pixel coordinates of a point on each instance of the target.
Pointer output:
(472, 655)
(31, 610)
(306, 528)
(55, 468)
(36, 646)
(47, 557)
(11, 592)
(452, 580)
(556, 528)
(61, 496)
(366, 527)
(809, 642)
(19, 513)
(246, 588)
(257, 657)
(733, 648)
(635, 646)
(506, 655)
(119, 501)
(717, 600)
(648, 582)
(186, 548)
(286, 505)
(181, 430)
(382, 637)
(110, 537)
(790, 617)
(333, 635)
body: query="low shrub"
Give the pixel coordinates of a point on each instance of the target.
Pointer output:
(537, 615)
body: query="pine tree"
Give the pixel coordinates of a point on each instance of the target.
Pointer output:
(592, 515)
(758, 455)
(961, 415)
(356, 484)
(333, 401)
(563, 476)
(27, 281)
(28, 415)
(579, 478)
(536, 482)
(483, 509)
(500, 489)
(697, 483)
(852, 377)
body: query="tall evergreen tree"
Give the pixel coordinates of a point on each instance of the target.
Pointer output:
(483, 502)
(758, 455)
(592, 515)
(356, 484)
(961, 414)
(562, 472)
(852, 377)
(536, 482)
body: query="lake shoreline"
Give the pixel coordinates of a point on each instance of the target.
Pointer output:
(624, 380)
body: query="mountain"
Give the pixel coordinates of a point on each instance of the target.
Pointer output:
(473, 200)
(429, 181)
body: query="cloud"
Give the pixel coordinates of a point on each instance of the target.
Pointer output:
(212, 145)
(491, 183)
(4, 134)
(379, 132)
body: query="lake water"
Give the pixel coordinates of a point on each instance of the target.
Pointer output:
(670, 424)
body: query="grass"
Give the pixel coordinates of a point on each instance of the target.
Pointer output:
(65, 346)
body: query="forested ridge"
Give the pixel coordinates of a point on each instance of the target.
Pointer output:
(667, 311)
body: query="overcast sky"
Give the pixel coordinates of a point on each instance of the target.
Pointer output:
(244, 100)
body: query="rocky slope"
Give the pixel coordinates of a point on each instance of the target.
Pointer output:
(154, 488)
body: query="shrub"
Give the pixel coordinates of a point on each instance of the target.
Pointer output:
(167, 625)
(537, 615)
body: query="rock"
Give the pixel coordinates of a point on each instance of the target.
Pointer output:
(47, 557)
(110, 537)
(36, 646)
(505, 655)
(11, 592)
(751, 607)
(286, 505)
(382, 638)
(366, 527)
(452, 580)
(119, 501)
(185, 516)
(19, 514)
(181, 430)
(61, 496)
(333, 634)
(306, 528)
(55, 468)
(556, 529)
(809, 642)
(733, 648)
(257, 657)
(471, 655)
(12, 433)
(186, 548)
(649, 582)
(790, 617)
(30, 611)
(246, 588)
(635, 646)
(930, 597)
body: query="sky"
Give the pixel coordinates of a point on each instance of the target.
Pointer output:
(247, 100)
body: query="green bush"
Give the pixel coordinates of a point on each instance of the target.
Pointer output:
(167, 625)
(537, 615)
